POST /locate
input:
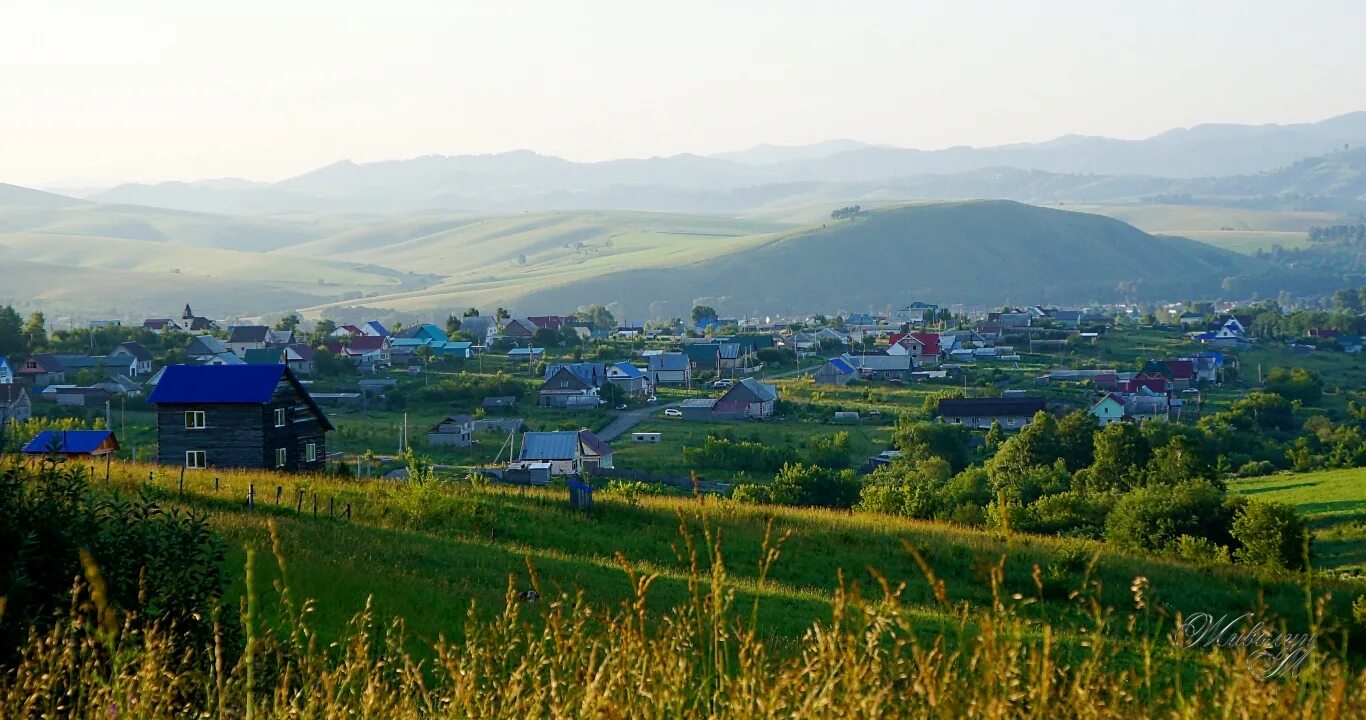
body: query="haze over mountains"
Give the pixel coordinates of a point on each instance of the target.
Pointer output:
(746, 231)
(1216, 161)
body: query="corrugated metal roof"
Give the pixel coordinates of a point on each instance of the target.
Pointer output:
(253, 384)
(563, 445)
(69, 441)
(841, 365)
(698, 403)
(669, 362)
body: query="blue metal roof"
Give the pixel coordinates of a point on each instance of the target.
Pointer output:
(562, 445)
(78, 442)
(841, 365)
(247, 384)
(629, 370)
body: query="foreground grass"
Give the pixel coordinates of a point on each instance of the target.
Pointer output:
(425, 554)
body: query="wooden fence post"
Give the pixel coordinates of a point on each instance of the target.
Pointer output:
(315, 504)
(251, 496)
(108, 458)
(182, 482)
(348, 511)
(299, 503)
(330, 502)
(279, 492)
(215, 483)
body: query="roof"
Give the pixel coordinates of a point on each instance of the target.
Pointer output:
(140, 353)
(79, 362)
(227, 385)
(11, 393)
(840, 365)
(963, 407)
(564, 378)
(374, 326)
(156, 323)
(73, 442)
(758, 391)
(302, 351)
(263, 356)
(929, 340)
(629, 370)
(249, 334)
(594, 443)
(561, 445)
(207, 345)
(49, 362)
(589, 373)
(366, 343)
(515, 352)
(669, 362)
(461, 419)
(698, 403)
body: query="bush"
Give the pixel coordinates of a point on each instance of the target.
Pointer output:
(1069, 513)
(1271, 533)
(1297, 384)
(1256, 468)
(166, 566)
(803, 486)
(1151, 518)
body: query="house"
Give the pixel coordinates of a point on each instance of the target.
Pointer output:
(461, 349)
(203, 347)
(73, 443)
(1157, 384)
(519, 329)
(1141, 408)
(549, 322)
(405, 349)
(424, 331)
(567, 388)
(499, 403)
(747, 398)
(526, 354)
(1180, 373)
(697, 408)
(160, 325)
(141, 356)
(248, 337)
(1011, 413)
(566, 452)
(346, 331)
(42, 369)
(629, 378)
(670, 369)
(15, 404)
(374, 329)
(251, 416)
(880, 366)
(104, 366)
(367, 351)
(1191, 319)
(453, 431)
(1109, 410)
(704, 357)
(478, 327)
(119, 385)
(279, 338)
(835, 371)
(77, 396)
(299, 358)
(6, 373)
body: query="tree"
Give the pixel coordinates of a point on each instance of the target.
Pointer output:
(920, 440)
(501, 314)
(702, 313)
(546, 337)
(1152, 518)
(11, 333)
(35, 332)
(471, 312)
(845, 213)
(1296, 384)
(1120, 454)
(322, 330)
(1347, 301)
(288, 322)
(1272, 534)
(452, 325)
(599, 317)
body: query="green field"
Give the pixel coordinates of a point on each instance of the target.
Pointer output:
(1334, 501)
(1236, 229)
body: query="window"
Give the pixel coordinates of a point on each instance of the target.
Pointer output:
(280, 456)
(311, 452)
(194, 420)
(279, 417)
(196, 459)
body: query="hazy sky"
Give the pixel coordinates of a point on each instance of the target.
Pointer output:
(138, 90)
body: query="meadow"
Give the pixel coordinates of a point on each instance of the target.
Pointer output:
(1334, 502)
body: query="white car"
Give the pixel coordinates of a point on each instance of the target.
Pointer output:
(723, 384)
(673, 412)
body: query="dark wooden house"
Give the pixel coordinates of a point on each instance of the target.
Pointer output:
(249, 416)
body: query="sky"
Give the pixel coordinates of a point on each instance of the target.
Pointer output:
(96, 93)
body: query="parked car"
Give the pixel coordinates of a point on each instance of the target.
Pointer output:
(723, 383)
(621, 407)
(652, 399)
(673, 412)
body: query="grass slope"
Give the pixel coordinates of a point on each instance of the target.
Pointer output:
(426, 554)
(981, 252)
(1335, 503)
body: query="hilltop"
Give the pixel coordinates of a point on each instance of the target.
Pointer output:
(982, 252)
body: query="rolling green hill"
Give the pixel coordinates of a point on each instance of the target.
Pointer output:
(982, 253)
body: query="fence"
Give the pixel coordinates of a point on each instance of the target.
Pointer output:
(278, 500)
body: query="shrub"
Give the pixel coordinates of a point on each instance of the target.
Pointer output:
(1256, 468)
(1271, 533)
(1151, 518)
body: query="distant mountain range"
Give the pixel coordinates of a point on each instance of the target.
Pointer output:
(1300, 165)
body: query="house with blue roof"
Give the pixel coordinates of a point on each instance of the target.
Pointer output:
(425, 330)
(565, 452)
(631, 379)
(6, 373)
(247, 416)
(73, 443)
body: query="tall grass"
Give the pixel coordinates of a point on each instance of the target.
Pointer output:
(561, 656)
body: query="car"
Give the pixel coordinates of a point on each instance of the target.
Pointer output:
(652, 399)
(723, 384)
(621, 407)
(874, 413)
(673, 412)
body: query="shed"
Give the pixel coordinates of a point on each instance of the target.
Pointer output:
(73, 443)
(646, 437)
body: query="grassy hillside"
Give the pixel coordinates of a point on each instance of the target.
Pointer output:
(1335, 503)
(1240, 230)
(426, 553)
(984, 253)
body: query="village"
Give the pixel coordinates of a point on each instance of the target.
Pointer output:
(259, 396)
